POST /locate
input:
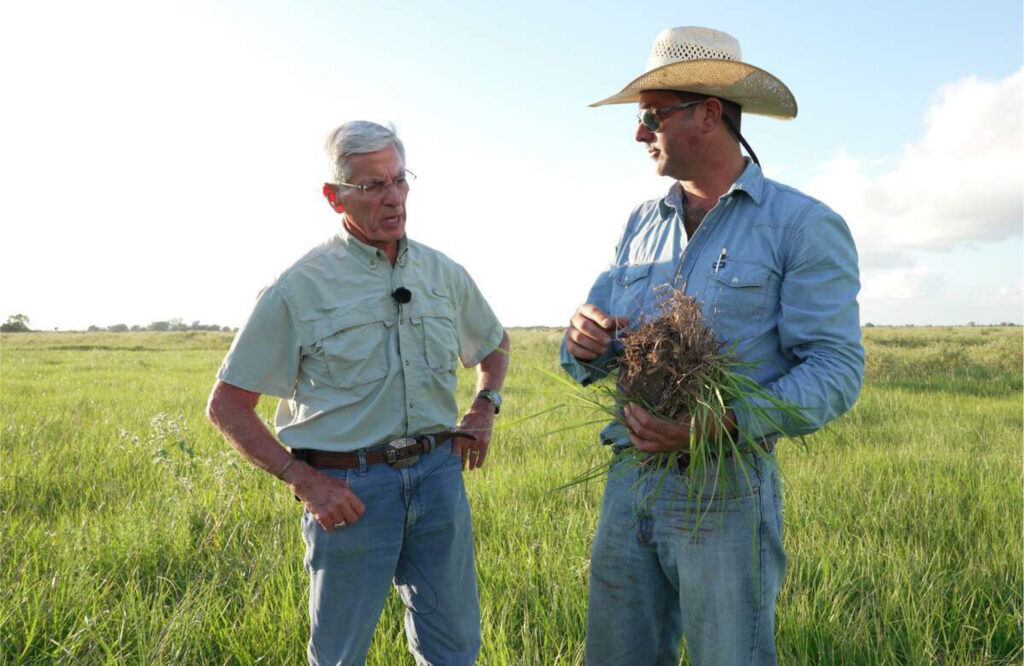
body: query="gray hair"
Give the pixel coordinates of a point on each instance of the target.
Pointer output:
(355, 138)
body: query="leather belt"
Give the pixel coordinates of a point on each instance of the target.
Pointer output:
(400, 452)
(683, 461)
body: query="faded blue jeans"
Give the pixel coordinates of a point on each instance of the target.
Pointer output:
(416, 533)
(665, 564)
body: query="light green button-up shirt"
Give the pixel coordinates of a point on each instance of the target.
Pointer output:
(353, 367)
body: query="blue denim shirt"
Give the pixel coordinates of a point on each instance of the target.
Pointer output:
(775, 272)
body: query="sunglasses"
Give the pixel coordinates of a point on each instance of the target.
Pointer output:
(649, 118)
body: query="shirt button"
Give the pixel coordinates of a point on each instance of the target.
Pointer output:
(407, 361)
(410, 405)
(373, 264)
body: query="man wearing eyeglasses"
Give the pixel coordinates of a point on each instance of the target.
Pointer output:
(776, 275)
(359, 339)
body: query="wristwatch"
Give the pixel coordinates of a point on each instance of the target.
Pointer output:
(493, 396)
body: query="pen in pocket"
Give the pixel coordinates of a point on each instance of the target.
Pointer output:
(721, 260)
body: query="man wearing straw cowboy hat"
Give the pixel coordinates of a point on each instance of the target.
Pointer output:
(360, 340)
(775, 273)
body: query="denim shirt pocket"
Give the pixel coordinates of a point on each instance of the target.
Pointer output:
(630, 288)
(738, 294)
(356, 353)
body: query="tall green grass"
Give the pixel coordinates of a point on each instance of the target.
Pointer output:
(131, 533)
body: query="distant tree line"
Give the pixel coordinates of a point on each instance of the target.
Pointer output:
(168, 325)
(970, 323)
(19, 323)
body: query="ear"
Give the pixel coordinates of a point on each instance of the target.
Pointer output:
(713, 110)
(331, 194)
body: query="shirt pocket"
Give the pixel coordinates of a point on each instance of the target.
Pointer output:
(356, 354)
(440, 342)
(630, 286)
(434, 321)
(739, 293)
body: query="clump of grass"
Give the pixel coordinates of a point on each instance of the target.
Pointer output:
(671, 358)
(674, 367)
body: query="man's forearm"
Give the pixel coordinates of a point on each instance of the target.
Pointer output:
(824, 386)
(235, 416)
(329, 500)
(492, 369)
(251, 438)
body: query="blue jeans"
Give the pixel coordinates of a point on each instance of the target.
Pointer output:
(667, 562)
(416, 533)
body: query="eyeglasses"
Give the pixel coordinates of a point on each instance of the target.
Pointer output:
(377, 188)
(649, 118)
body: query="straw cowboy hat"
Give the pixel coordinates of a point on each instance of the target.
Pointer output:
(708, 62)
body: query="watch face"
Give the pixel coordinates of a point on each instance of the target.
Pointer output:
(493, 396)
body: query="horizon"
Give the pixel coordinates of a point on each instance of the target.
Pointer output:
(197, 326)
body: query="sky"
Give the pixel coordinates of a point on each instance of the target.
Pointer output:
(165, 160)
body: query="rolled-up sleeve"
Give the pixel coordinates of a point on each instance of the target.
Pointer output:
(819, 327)
(264, 357)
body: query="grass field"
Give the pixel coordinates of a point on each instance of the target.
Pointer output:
(132, 533)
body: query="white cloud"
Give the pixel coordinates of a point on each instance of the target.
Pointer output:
(961, 183)
(917, 282)
(916, 298)
(938, 226)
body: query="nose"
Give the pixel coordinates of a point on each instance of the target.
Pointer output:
(643, 135)
(394, 194)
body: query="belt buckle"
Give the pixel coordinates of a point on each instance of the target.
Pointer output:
(398, 453)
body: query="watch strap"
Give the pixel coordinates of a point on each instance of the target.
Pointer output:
(492, 396)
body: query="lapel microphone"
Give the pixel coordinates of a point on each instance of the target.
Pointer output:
(401, 295)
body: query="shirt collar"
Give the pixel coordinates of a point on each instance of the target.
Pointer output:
(750, 181)
(367, 254)
(672, 203)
